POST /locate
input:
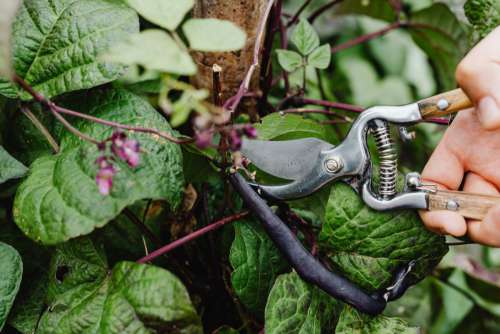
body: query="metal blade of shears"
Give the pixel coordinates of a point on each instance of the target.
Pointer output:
(289, 159)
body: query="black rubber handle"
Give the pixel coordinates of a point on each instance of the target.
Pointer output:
(306, 265)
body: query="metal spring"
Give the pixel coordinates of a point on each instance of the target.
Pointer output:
(388, 170)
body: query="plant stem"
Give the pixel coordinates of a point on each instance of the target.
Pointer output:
(38, 124)
(295, 18)
(57, 110)
(72, 129)
(141, 226)
(322, 9)
(307, 111)
(323, 103)
(367, 37)
(245, 84)
(179, 242)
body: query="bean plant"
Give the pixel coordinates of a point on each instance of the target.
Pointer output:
(122, 120)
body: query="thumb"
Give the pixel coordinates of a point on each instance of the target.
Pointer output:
(479, 76)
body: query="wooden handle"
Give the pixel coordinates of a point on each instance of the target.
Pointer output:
(472, 206)
(444, 104)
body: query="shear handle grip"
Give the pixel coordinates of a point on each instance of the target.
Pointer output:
(471, 206)
(444, 104)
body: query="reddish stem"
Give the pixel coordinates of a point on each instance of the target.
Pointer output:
(60, 110)
(245, 84)
(322, 9)
(334, 105)
(295, 18)
(367, 37)
(202, 231)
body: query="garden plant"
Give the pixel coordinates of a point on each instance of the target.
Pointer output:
(121, 125)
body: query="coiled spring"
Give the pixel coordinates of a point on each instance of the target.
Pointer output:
(388, 170)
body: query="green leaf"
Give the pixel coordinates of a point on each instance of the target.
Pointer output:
(166, 14)
(10, 168)
(256, 262)
(305, 38)
(154, 50)
(56, 42)
(8, 10)
(29, 305)
(368, 246)
(59, 200)
(321, 57)
(455, 306)
(214, 35)
(441, 36)
(294, 306)
(85, 296)
(7, 89)
(353, 322)
(289, 60)
(190, 100)
(484, 15)
(10, 279)
(378, 9)
(287, 127)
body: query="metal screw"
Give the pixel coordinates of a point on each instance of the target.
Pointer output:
(413, 181)
(452, 205)
(443, 104)
(334, 165)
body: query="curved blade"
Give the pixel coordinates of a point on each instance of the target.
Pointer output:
(289, 159)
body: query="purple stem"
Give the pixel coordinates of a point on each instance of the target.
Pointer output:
(196, 234)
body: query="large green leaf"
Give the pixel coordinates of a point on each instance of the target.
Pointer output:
(10, 168)
(56, 42)
(440, 34)
(167, 14)
(153, 49)
(214, 35)
(59, 200)
(85, 296)
(289, 60)
(368, 246)
(353, 322)
(8, 11)
(297, 307)
(287, 127)
(10, 279)
(256, 262)
(484, 15)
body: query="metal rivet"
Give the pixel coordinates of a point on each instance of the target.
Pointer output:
(443, 104)
(452, 205)
(414, 181)
(334, 165)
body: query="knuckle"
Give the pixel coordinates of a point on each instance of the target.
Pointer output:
(466, 70)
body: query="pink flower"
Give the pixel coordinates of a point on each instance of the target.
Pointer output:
(126, 149)
(235, 140)
(204, 139)
(250, 131)
(104, 178)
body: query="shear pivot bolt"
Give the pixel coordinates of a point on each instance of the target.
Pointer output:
(452, 205)
(333, 165)
(443, 104)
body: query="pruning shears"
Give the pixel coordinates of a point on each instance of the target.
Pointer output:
(311, 163)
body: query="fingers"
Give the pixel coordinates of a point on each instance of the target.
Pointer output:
(445, 170)
(479, 76)
(488, 231)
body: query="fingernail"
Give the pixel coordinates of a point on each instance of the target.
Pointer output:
(488, 113)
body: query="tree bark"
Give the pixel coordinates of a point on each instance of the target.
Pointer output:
(234, 65)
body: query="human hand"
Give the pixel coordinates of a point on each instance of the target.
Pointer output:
(469, 153)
